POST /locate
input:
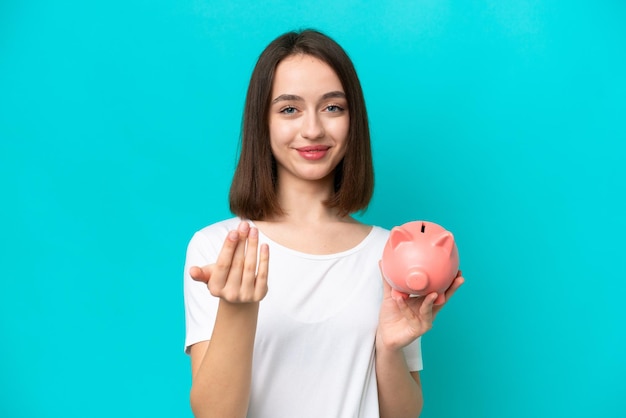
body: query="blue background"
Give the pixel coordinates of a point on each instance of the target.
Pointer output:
(502, 120)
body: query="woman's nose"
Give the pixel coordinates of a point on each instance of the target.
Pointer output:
(312, 126)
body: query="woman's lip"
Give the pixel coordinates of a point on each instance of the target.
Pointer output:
(312, 153)
(313, 148)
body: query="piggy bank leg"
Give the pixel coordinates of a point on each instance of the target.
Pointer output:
(395, 294)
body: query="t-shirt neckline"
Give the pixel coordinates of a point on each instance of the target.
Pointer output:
(357, 247)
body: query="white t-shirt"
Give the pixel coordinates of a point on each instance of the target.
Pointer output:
(314, 348)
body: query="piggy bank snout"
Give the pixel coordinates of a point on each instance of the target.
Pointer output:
(417, 280)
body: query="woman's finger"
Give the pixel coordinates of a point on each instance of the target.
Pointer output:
(260, 286)
(420, 319)
(235, 272)
(405, 309)
(201, 274)
(426, 309)
(250, 265)
(458, 281)
(454, 286)
(222, 266)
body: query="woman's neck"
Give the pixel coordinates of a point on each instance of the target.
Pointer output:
(304, 201)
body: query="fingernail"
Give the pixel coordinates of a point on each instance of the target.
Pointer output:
(233, 235)
(254, 232)
(243, 227)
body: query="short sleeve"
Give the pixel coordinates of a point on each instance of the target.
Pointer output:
(200, 305)
(413, 355)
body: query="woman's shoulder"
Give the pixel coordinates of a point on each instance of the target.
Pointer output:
(371, 235)
(372, 229)
(207, 242)
(216, 232)
(219, 226)
(381, 231)
(379, 235)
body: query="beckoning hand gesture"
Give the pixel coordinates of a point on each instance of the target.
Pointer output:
(235, 276)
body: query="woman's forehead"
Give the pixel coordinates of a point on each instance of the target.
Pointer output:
(301, 73)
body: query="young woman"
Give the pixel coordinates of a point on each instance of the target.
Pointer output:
(310, 330)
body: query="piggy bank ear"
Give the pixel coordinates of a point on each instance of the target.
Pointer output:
(446, 241)
(399, 235)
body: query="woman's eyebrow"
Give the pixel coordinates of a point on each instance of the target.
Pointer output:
(295, 98)
(288, 98)
(334, 95)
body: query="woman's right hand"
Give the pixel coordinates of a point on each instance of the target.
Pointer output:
(235, 276)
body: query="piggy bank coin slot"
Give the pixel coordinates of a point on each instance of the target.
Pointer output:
(423, 227)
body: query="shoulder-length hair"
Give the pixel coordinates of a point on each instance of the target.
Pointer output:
(253, 189)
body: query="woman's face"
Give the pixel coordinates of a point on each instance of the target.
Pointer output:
(308, 119)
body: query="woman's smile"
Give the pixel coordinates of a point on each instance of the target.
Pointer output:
(313, 152)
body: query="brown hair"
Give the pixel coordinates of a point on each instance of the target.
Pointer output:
(253, 189)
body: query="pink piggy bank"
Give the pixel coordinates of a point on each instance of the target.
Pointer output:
(420, 258)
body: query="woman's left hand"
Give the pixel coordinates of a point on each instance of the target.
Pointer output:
(403, 320)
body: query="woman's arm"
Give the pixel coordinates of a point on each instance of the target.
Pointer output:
(401, 322)
(222, 368)
(399, 391)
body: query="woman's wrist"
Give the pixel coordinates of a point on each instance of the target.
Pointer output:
(387, 347)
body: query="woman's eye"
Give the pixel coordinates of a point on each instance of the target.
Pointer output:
(334, 108)
(289, 110)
